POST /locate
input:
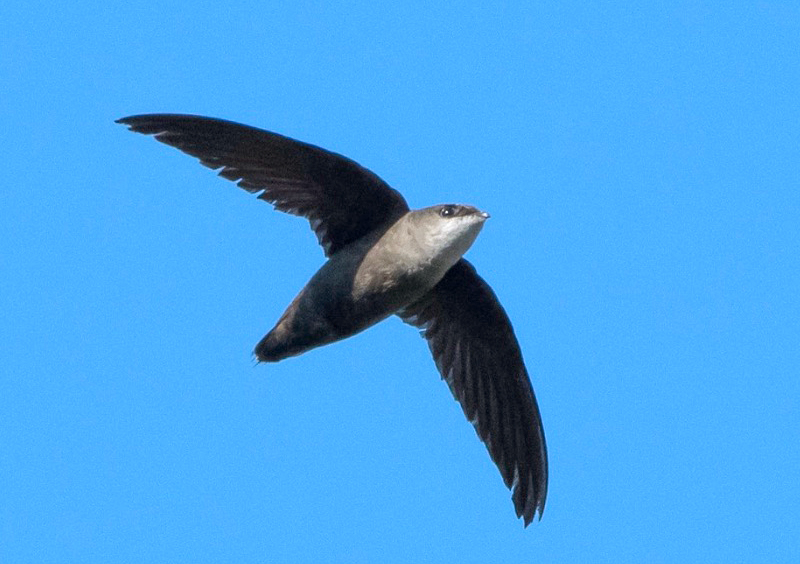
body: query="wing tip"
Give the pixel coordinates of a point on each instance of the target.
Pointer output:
(137, 123)
(154, 123)
(530, 500)
(132, 119)
(529, 514)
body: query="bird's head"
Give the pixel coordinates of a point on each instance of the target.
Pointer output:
(448, 230)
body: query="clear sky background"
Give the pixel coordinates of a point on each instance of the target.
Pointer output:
(641, 164)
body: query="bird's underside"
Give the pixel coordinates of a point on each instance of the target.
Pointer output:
(354, 215)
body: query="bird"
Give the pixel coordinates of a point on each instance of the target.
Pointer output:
(384, 259)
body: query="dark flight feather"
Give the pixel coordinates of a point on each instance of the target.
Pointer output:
(342, 200)
(477, 354)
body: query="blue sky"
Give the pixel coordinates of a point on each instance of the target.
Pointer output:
(641, 168)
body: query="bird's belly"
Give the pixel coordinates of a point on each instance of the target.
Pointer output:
(351, 292)
(366, 300)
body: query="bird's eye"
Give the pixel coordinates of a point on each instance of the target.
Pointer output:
(447, 211)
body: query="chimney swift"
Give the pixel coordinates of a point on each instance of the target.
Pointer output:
(384, 259)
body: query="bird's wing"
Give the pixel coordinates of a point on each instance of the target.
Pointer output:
(341, 200)
(479, 357)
